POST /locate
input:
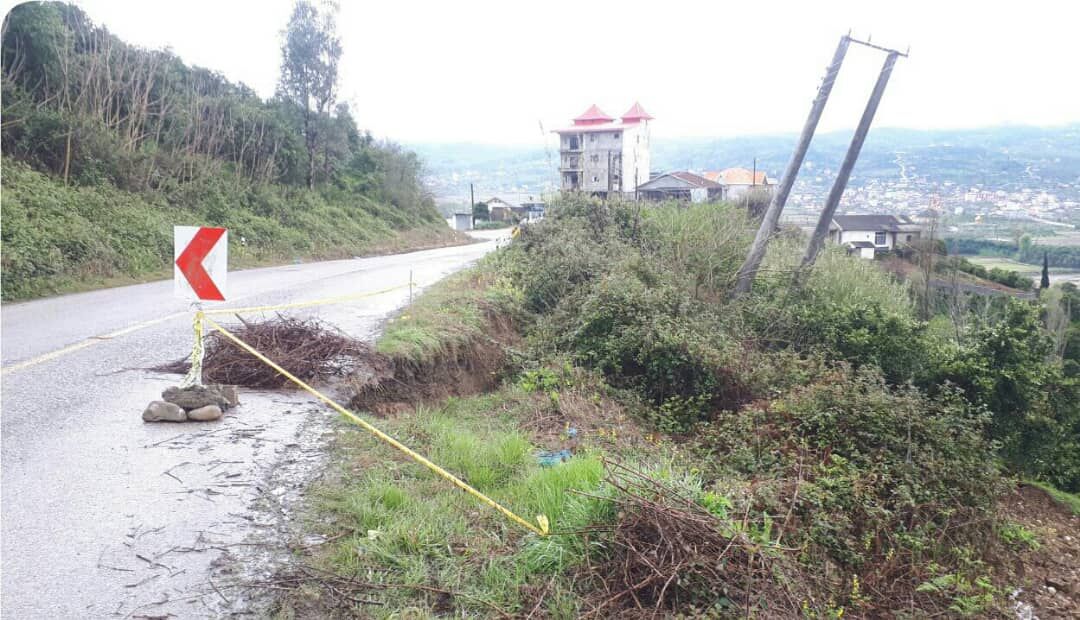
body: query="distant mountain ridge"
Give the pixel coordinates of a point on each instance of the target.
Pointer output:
(1000, 157)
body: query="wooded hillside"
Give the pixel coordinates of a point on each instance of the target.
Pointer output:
(107, 145)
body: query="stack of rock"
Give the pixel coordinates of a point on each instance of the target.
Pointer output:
(198, 403)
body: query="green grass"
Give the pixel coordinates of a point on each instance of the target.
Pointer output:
(412, 527)
(64, 238)
(449, 316)
(1069, 500)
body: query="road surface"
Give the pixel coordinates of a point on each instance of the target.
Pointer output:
(105, 516)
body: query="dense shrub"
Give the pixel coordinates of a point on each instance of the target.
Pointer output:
(1035, 407)
(848, 310)
(653, 337)
(639, 293)
(882, 481)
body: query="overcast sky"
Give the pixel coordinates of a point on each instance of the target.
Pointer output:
(491, 71)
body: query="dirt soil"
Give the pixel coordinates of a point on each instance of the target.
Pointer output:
(398, 385)
(1049, 577)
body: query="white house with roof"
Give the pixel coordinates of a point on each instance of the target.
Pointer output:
(738, 181)
(869, 233)
(516, 207)
(602, 156)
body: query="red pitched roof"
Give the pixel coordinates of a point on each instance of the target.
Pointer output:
(636, 113)
(592, 116)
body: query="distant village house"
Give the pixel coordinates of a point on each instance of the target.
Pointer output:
(738, 181)
(867, 234)
(685, 186)
(515, 209)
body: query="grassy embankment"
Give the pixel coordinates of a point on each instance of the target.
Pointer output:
(812, 430)
(61, 239)
(107, 145)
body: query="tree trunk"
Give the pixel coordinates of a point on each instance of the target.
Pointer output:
(309, 138)
(67, 156)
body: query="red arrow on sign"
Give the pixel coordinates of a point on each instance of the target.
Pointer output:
(190, 264)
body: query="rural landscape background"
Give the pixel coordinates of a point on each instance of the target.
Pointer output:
(571, 409)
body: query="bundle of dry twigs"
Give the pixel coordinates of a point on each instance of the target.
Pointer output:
(309, 349)
(666, 552)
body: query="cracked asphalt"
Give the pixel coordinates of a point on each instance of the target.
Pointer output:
(105, 516)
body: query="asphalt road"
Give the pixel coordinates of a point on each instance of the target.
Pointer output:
(105, 516)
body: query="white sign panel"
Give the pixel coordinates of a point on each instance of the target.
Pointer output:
(201, 262)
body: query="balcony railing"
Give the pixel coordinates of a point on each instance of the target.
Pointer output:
(570, 163)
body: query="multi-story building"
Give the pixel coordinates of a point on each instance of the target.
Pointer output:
(605, 157)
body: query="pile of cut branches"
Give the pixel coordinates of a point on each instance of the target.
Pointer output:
(668, 553)
(309, 349)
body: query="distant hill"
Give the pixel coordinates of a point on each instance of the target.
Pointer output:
(1003, 157)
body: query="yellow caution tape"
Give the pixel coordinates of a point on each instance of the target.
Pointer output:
(306, 304)
(542, 528)
(194, 376)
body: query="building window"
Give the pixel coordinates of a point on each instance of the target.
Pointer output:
(592, 137)
(596, 179)
(616, 135)
(595, 158)
(909, 238)
(879, 238)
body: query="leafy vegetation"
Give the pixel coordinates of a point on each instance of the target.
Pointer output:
(407, 521)
(851, 455)
(106, 145)
(1007, 277)
(453, 315)
(1025, 251)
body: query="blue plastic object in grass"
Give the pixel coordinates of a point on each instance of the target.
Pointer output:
(549, 458)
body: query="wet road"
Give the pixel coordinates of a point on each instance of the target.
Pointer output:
(104, 516)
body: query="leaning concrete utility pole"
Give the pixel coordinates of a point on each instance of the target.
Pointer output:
(772, 215)
(837, 191)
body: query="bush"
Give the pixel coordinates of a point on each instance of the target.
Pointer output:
(654, 339)
(1035, 407)
(881, 481)
(848, 310)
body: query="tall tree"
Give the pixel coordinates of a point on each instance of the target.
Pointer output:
(310, 53)
(1045, 283)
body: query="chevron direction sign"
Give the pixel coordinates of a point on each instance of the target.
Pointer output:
(201, 262)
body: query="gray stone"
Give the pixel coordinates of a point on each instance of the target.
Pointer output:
(205, 414)
(231, 394)
(160, 411)
(195, 396)
(1055, 583)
